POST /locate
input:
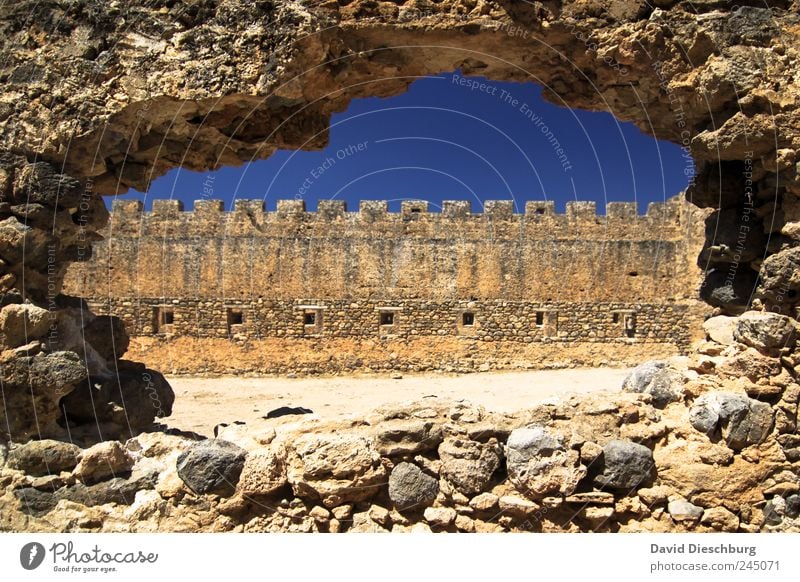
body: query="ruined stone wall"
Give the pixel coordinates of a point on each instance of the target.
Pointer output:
(494, 276)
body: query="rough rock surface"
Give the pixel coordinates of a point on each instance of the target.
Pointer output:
(661, 381)
(410, 487)
(211, 466)
(45, 457)
(740, 420)
(539, 463)
(336, 468)
(625, 465)
(766, 331)
(469, 465)
(102, 461)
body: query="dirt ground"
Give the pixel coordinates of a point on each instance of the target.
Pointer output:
(202, 403)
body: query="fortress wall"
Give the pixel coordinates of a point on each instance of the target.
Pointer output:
(491, 320)
(414, 254)
(457, 286)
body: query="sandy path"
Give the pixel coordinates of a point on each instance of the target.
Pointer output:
(201, 403)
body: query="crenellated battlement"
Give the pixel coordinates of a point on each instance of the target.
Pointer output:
(250, 217)
(509, 252)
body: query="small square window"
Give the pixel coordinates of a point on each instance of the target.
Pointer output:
(310, 318)
(539, 318)
(467, 318)
(539, 211)
(163, 316)
(615, 318)
(387, 318)
(416, 210)
(235, 317)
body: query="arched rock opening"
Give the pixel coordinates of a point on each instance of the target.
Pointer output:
(100, 99)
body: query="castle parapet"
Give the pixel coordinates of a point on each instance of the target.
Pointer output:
(456, 208)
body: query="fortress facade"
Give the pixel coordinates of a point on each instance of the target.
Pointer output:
(213, 291)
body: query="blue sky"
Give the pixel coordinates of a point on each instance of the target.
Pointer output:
(454, 138)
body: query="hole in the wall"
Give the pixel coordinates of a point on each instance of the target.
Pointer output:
(310, 318)
(163, 319)
(467, 318)
(539, 318)
(386, 318)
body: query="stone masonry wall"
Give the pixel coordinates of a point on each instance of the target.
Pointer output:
(618, 278)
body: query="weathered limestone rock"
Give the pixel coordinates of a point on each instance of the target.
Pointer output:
(484, 502)
(403, 437)
(211, 466)
(682, 510)
(625, 466)
(539, 463)
(264, 473)
(410, 487)
(102, 461)
(45, 457)
(750, 364)
(740, 420)
(766, 331)
(662, 382)
(720, 329)
(440, 517)
(719, 519)
(22, 323)
(32, 386)
(469, 465)
(335, 468)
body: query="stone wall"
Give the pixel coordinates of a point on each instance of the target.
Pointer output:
(702, 444)
(495, 276)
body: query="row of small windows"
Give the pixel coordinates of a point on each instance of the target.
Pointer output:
(312, 319)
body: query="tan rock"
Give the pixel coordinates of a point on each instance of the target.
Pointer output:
(103, 461)
(264, 473)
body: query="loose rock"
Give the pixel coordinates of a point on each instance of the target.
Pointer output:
(539, 463)
(658, 379)
(211, 466)
(626, 466)
(45, 457)
(410, 487)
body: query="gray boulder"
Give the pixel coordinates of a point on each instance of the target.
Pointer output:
(662, 382)
(540, 464)
(212, 466)
(410, 487)
(793, 506)
(45, 457)
(625, 465)
(766, 331)
(740, 420)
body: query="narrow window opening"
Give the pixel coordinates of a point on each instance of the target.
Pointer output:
(387, 318)
(630, 325)
(235, 317)
(163, 316)
(416, 210)
(539, 211)
(467, 318)
(310, 318)
(539, 318)
(615, 317)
